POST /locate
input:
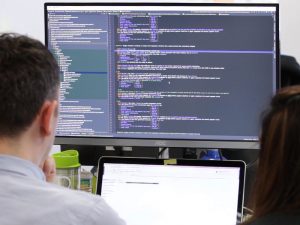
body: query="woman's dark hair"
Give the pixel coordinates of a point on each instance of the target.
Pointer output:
(277, 185)
(29, 75)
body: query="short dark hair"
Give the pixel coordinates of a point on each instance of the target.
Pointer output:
(29, 75)
(277, 185)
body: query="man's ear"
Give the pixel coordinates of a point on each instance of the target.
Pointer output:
(48, 116)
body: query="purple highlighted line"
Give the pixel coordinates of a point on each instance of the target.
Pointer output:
(221, 51)
(201, 51)
(89, 72)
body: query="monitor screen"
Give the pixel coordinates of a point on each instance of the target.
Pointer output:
(160, 74)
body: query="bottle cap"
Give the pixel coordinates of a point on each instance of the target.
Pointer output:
(67, 159)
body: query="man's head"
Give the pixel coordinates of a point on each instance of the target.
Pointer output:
(29, 83)
(29, 76)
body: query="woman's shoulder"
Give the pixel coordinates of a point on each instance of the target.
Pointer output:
(278, 219)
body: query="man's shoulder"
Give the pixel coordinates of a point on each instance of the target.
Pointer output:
(51, 204)
(73, 198)
(82, 206)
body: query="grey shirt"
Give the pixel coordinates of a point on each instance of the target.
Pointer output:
(26, 198)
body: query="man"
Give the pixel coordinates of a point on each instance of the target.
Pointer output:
(29, 85)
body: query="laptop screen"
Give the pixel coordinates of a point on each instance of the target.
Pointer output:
(150, 194)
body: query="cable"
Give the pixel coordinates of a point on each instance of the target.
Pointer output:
(250, 164)
(119, 150)
(220, 154)
(250, 211)
(161, 152)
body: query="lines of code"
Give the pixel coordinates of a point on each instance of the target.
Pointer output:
(178, 73)
(162, 74)
(79, 42)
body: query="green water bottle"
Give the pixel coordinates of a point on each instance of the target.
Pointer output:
(67, 169)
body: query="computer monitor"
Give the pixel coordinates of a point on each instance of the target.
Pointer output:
(161, 74)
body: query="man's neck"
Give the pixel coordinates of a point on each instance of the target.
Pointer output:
(18, 147)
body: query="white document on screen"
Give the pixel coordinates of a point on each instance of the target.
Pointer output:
(160, 195)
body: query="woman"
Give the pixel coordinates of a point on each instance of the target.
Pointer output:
(276, 196)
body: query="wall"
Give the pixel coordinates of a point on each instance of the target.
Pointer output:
(289, 26)
(27, 17)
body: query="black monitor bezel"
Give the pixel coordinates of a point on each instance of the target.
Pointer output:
(157, 142)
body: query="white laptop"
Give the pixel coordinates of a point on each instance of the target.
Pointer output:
(146, 191)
